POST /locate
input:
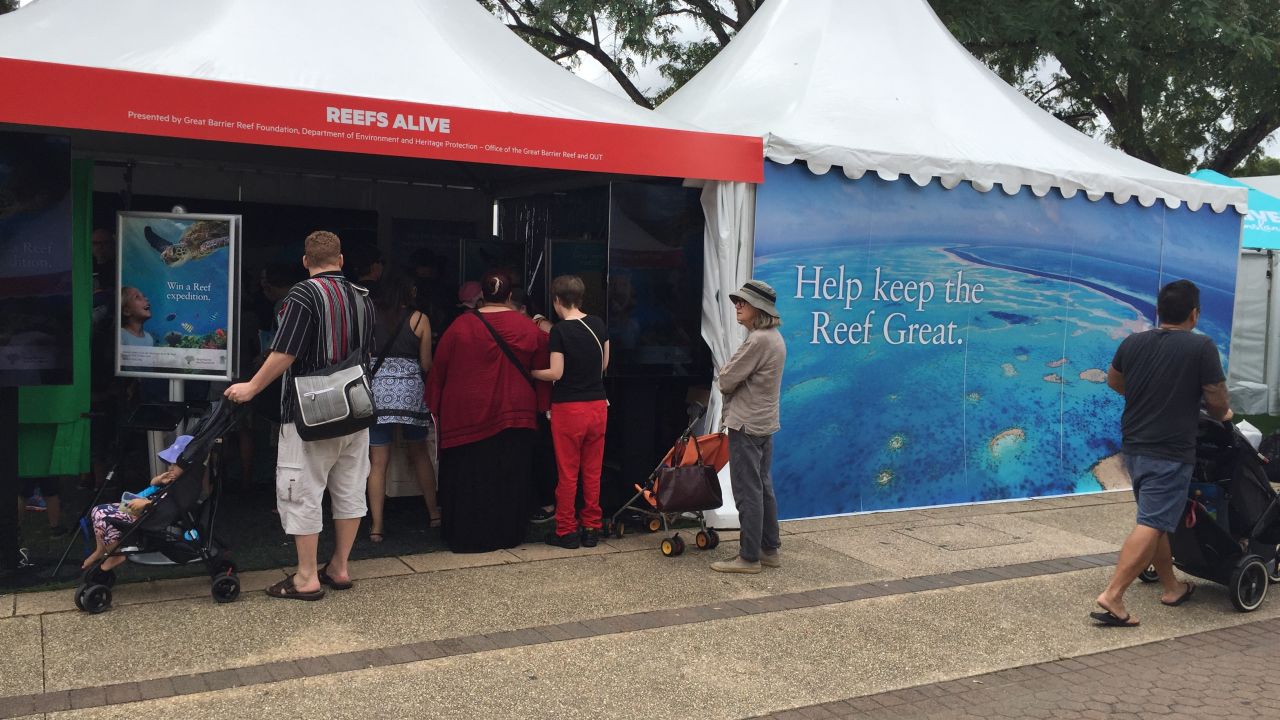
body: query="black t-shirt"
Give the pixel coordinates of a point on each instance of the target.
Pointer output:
(1164, 371)
(583, 359)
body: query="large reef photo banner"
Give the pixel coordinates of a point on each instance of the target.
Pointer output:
(951, 346)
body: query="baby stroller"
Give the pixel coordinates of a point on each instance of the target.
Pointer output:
(177, 524)
(1231, 527)
(685, 482)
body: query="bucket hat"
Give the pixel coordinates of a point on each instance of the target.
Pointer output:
(759, 295)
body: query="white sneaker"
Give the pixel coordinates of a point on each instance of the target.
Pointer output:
(736, 565)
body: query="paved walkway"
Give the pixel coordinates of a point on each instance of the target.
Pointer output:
(1221, 674)
(866, 608)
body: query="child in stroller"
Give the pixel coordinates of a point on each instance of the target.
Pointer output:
(110, 520)
(169, 518)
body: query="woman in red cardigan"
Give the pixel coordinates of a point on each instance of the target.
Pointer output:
(486, 402)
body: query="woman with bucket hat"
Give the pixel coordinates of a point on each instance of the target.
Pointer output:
(752, 384)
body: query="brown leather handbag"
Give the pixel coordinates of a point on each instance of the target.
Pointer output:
(688, 487)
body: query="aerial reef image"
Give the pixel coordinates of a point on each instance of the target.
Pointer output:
(949, 345)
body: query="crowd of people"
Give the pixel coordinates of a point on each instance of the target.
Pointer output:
(493, 375)
(516, 406)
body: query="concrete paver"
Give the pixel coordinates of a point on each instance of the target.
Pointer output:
(1224, 674)
(735, 667)
(906, 555)
(411, 608)
(21, 663)
(440, 561)
(543, 632)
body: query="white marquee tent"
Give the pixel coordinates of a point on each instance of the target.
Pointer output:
(279, 66)
(882, 86)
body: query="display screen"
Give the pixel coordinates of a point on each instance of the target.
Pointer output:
(35, 259)
(655, 281)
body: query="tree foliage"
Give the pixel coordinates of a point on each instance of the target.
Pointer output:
(8, 6)
(621, 33)
(1178, 83)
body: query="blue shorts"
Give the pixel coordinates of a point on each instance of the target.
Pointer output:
(384, 433)
(1160, 487)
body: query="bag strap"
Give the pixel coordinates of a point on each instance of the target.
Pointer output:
(598, 345)
(386, 347)
(358, 303)
(506, 350)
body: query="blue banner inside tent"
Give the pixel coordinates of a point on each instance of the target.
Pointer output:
(1262, 224)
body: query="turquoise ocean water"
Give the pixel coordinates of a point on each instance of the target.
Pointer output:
(1015, 407)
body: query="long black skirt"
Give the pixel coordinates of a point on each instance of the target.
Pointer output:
(485, 492)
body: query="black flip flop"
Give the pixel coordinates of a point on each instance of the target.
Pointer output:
(1191, 588)
(286, 590)
(330, 582)
(1110, 619)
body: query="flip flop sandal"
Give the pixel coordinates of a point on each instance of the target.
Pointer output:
(1109, 619)
(1191, 588)
(326, 580)
(286, 590)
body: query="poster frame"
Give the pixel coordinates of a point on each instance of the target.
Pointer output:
(233, 293)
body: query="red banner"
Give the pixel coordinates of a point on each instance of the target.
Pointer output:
(69, 96)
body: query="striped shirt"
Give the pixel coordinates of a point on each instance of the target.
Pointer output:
(322, 321)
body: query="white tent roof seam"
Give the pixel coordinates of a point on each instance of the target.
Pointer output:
(882, 86)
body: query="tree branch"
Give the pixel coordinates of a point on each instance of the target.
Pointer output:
(1246, 140)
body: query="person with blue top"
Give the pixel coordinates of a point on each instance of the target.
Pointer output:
(111, 519)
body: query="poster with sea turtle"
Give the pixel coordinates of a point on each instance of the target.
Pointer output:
(176, 295)
(951, 346)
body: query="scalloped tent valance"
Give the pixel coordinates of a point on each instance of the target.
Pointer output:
(882, 86)
(950, 181)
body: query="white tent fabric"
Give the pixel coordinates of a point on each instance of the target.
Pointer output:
(1269, 184)
(729, 242)
(441, 52)
(1253, 373)
(882, 86)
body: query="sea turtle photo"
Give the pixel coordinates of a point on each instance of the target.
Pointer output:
(200, 240)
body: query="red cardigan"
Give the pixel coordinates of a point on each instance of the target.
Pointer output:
(474, 390)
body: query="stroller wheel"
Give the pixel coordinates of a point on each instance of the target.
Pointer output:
(655, 524)
(713, 539)
(619, 529)
(668, 547)
(1149, 575)
(1249, 582)
(679, 544)
(94, 599)
(80, 596)
(225, 589)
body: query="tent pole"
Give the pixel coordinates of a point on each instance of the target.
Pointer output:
(9, 538)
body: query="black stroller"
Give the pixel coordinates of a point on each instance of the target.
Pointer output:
(1231, 527)
(177, 524)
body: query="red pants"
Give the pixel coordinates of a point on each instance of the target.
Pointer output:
(578, 431)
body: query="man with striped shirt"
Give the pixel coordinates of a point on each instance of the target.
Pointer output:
(323, 320)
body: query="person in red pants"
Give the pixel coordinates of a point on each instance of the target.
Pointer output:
(579, 412)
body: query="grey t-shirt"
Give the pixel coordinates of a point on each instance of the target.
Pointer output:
(1164, 371)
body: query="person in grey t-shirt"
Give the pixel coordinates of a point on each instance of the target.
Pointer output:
(1163, 374)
